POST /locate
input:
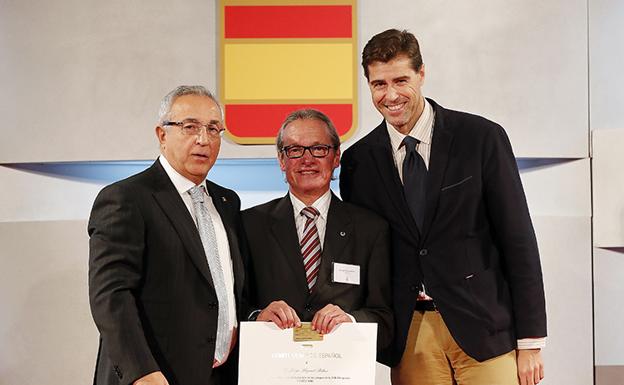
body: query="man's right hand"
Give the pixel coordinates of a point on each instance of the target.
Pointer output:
(280, 314)
(154, 378)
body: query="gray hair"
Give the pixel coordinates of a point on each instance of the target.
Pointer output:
(169, 99)
(308, 113)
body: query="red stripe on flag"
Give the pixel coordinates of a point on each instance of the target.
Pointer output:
(264, 120)
(289, 21)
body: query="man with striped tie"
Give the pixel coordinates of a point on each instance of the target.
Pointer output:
(314, 258)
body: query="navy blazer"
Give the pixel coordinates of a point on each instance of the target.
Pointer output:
(477, 253)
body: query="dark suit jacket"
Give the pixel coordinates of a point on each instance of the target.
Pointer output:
(353, 235)
(477, 254)
(150, 288)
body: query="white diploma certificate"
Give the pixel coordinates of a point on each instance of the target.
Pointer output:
(270, 356)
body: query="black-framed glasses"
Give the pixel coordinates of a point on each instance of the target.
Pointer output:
(318, 150)
(194, 127)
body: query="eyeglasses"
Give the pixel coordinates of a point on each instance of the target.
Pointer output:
(194, 127)
(317, 151)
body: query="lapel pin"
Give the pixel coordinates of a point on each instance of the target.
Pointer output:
(342, 233)
(224, 199)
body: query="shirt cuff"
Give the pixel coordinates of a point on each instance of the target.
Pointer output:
(531, 343)
(254, 315)
(352, 318)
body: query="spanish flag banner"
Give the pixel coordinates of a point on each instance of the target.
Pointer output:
(279, 56)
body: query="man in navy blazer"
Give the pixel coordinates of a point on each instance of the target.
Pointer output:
(151, 286)
(468, 295)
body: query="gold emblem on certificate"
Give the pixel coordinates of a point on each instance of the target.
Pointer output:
(305, 333)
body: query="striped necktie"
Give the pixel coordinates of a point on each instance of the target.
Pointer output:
(311, 246)
(209, 241)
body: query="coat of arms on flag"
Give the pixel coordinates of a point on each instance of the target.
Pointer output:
(278, 56)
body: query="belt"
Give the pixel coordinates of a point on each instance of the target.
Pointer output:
(425, 306)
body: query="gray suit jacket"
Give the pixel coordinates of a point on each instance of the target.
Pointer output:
(150, 288)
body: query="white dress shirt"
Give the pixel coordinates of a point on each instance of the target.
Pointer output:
(423, 131)
(183, 185)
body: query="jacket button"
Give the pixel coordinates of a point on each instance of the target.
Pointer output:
(423, 252)
(308, 307)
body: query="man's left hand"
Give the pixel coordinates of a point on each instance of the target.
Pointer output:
(530, 366)
(328, 317)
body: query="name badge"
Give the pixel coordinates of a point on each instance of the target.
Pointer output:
(346, 273)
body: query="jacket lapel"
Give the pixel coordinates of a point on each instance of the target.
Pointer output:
(381, 151)
(337, 235)
(440, 147)
(285, 233)
(172, 205)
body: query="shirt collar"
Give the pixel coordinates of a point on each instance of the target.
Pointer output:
(321, 204)
(422, 128)
(181, 183)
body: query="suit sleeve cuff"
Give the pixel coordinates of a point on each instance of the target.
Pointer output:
(531, 343)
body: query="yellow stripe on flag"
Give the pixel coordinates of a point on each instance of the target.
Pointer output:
(288, 71)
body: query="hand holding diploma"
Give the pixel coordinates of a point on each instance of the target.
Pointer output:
(326, 319)
(285, 317)
(281, 314)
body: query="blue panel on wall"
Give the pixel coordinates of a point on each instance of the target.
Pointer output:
(237, 174)
(529, 164)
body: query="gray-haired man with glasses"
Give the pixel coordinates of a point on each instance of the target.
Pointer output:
(165, 267)
(312, 257)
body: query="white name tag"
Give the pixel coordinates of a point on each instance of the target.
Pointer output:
(345, 273)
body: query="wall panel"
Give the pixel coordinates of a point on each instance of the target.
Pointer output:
(565, 250)
(47, 335)
(82, 80)
(606, 58)
(608, 185)
(522, 64)
(608, 311)
(557, 188)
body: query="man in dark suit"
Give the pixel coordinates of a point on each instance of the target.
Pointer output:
(313, 257)
(165, 269)
(467, 283)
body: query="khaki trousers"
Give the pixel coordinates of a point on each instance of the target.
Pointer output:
(432, 357)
